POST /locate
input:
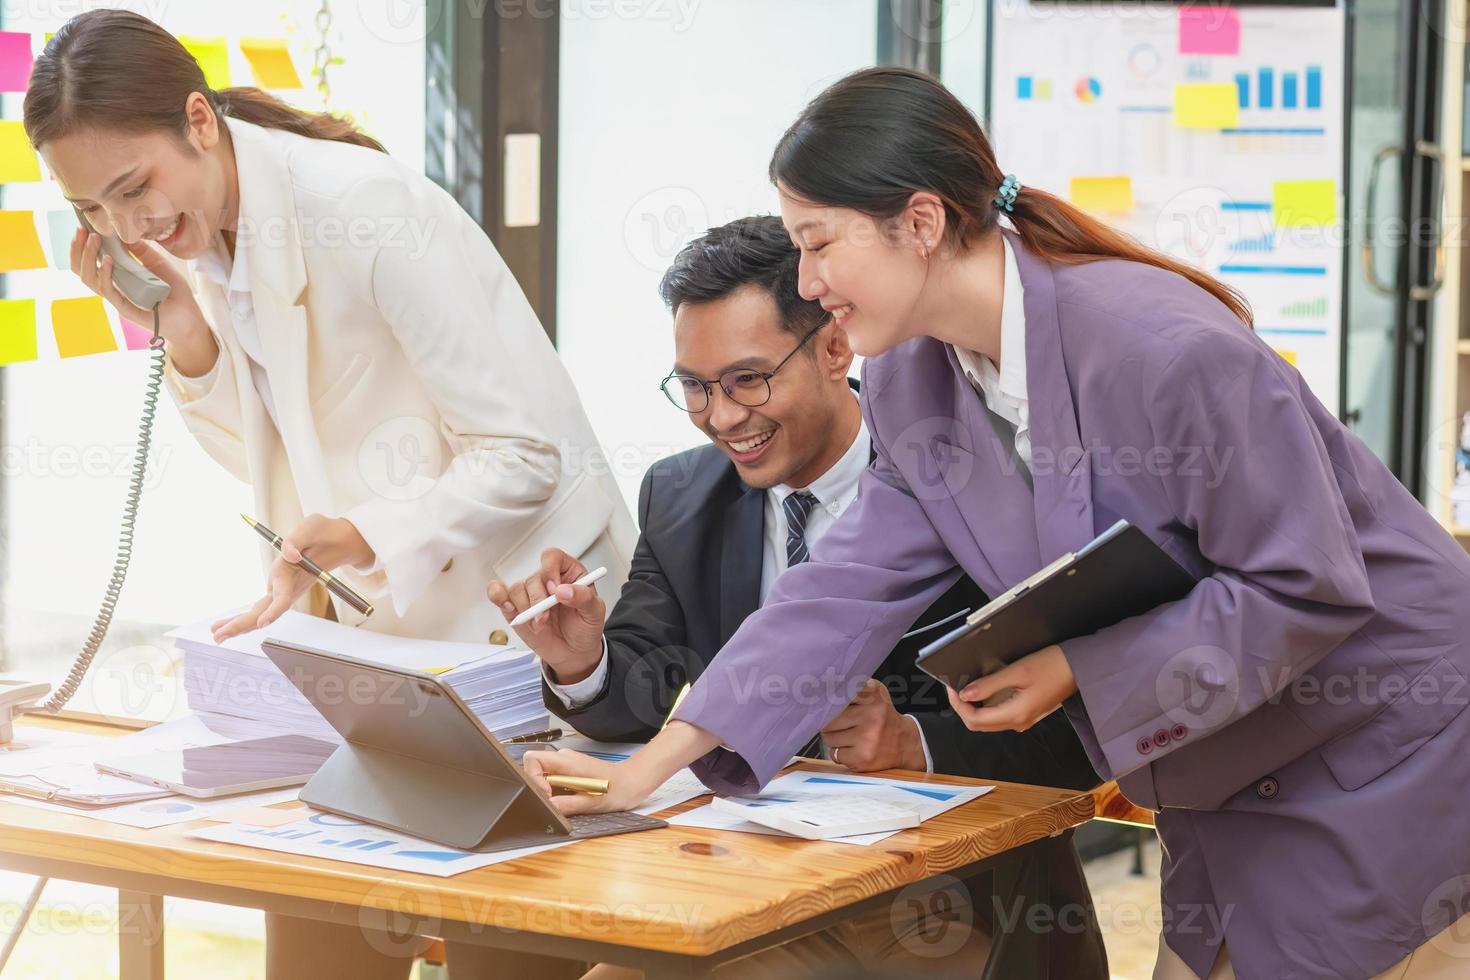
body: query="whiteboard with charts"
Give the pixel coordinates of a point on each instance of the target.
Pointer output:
(1213, 133)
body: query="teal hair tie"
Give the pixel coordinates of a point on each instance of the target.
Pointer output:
(1005, 199)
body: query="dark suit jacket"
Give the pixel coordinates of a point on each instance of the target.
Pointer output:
(696, 575)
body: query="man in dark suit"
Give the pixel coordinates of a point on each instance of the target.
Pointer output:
(764, 374)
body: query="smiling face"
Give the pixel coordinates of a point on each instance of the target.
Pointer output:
(799, 433)
(177, 192)
(868, 276)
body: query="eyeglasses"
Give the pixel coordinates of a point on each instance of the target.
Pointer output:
(742, 385)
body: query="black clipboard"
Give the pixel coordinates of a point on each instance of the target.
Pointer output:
(1119, 574)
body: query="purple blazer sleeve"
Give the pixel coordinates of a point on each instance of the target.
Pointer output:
(826, 626)
(1288, 582)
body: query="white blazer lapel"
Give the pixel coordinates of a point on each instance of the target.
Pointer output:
(269, 230)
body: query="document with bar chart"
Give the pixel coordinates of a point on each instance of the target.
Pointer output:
(1214, 133)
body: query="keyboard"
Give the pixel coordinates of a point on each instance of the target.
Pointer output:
(584, 827)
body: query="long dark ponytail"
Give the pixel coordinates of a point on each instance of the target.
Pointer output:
(114, 69)
(875, 137)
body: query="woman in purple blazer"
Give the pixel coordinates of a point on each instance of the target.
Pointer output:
(1297, 720)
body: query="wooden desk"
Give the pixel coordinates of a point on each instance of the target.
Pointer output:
(1114, 806)
(674, 902)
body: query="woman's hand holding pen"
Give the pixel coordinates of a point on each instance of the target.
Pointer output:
(331, 542)
(1041, 681)
(629, 783)
(191, 345)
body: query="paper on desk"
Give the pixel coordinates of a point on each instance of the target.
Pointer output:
(166, 811)
(326, 835)
(930, 799)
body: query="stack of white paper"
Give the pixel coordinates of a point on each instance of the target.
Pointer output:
(502, 685)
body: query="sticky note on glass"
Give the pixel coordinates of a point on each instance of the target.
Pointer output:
(61, 227)
(271, 62)
(20, 247)
(17, 330)
(18, 163)
(81, 326)
(1301, 203)
(134, 336)
(213, 56)
(1209, 30)
(15, 61)
(1206, 105)
(1289, 356)
(1111, 194)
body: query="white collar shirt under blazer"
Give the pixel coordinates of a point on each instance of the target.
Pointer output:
(415, 393)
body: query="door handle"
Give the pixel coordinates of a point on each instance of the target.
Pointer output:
(1370, 272)
(1432, 152)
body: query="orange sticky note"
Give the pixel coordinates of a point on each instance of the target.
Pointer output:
(1206, 105)
(17, 330)
(18, 163)
(1303, 203)
(20, 246)
(81, 326)
(271, 62)
(213, 56)
(1111, 194)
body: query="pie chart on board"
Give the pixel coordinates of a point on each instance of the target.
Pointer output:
(1088, 90)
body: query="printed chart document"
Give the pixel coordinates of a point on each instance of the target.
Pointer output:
(326, 835)
(928, 799)
(338, 838)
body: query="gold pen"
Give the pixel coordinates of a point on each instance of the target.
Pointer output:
(334, 585)
(579, 784)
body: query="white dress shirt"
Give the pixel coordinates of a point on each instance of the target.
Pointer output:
(835, 491)
(233, 276)
(1004, 387)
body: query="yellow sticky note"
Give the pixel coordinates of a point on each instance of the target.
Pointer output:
(213, 56)
(1298, 203)
(1111, 194)
(81, 326)
(18, 163)
(17, 330)
(1289, 356)
(20, 246)
(438, 670)
(1043, 88)
(1206, 105)
(271, 62)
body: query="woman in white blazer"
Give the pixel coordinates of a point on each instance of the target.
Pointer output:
(342, 336)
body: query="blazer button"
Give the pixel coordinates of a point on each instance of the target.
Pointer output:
(1179, 732)
(1161, 738)
(1267, 788)
(447, 565)
(499, 638)
(1145, 746)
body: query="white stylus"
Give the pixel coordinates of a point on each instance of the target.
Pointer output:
(552, 600)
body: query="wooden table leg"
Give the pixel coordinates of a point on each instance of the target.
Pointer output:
(139, 935)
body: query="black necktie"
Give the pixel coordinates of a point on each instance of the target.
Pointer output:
(798, 508)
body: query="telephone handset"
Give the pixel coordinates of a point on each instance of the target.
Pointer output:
(129, 275)
(148, 291)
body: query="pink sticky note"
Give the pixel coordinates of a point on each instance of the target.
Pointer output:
(15, 61)
(134, 336)
(1213, 29)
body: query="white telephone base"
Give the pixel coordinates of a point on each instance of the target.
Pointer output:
(17, 696)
